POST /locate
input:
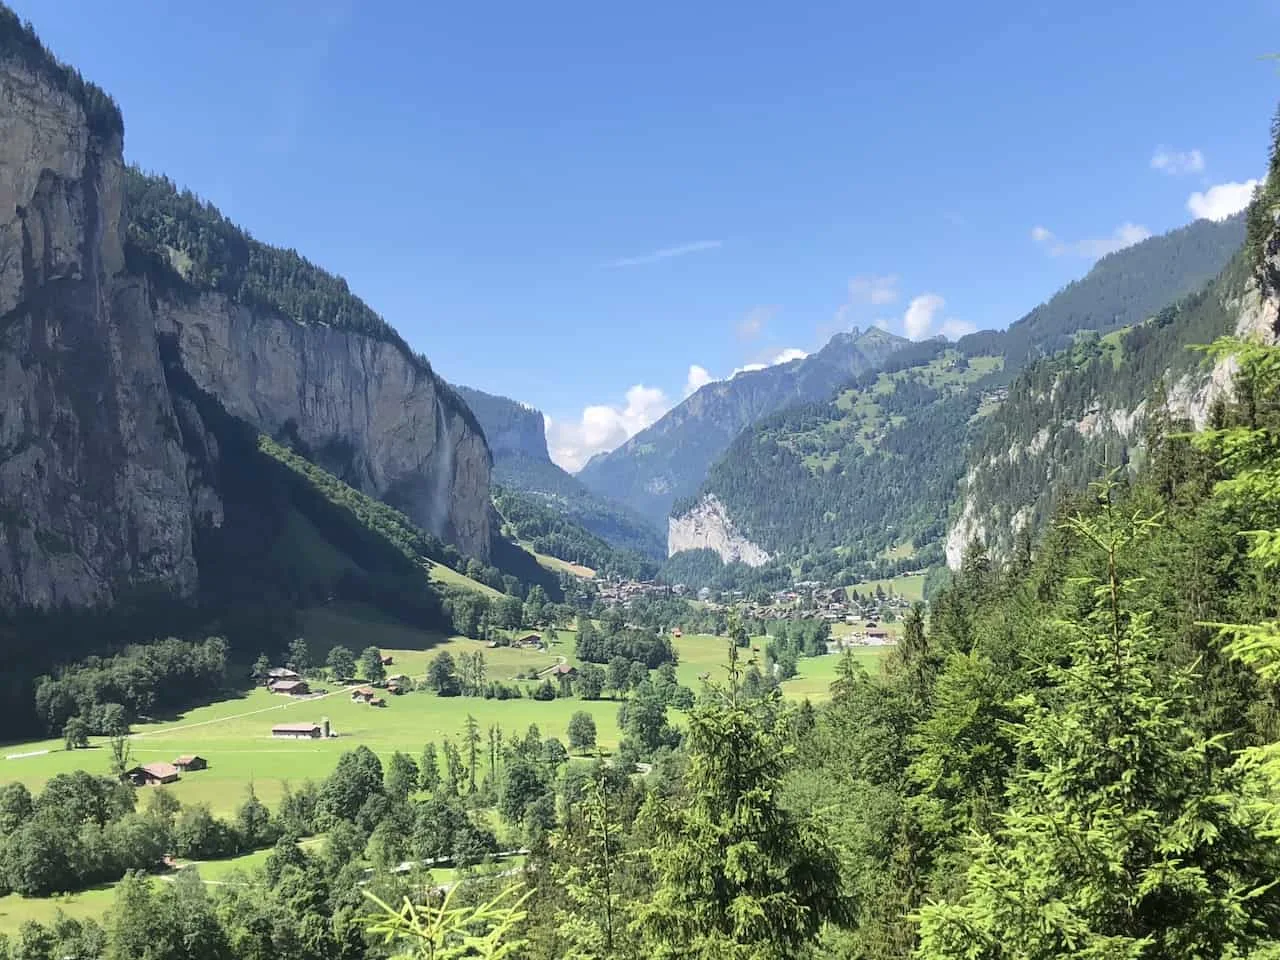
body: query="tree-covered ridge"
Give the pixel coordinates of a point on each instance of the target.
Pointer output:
(1069, 416)
(1121, 289)
(531, 520)
(382, 521)
(669, 460)
(19, 43)
(175, 235)
(861, 478)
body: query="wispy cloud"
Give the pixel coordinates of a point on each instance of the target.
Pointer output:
(756, 319)
(1176, 162)
(1221, 200)
(1125, 235)
(666, 253)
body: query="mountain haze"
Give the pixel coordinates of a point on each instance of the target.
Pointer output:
(521, 465)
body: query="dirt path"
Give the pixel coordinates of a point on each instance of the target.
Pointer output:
(240, 716)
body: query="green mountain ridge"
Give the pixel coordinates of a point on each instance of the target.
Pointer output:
(1099, 405)
(669, 459)
(863, 482)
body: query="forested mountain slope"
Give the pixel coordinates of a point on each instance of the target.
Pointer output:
(669, 460)
(1098, 405)
(863, 483)
(521, 464)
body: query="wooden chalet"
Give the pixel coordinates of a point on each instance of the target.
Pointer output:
(190, 762)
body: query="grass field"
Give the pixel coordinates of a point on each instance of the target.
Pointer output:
(911, 587)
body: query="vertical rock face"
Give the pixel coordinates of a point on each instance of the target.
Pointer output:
(92, 478)
(97, 492)
(366, 411)
(708, 526)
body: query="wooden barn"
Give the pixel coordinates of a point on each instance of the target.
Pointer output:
(152, 774)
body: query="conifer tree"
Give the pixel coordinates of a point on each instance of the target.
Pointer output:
(737, 874)
(1127, 835)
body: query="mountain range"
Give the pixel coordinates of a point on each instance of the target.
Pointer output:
(669, 459)
(865, 481)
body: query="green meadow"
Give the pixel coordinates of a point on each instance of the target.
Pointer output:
(234, 734)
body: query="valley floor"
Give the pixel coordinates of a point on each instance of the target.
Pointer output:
(234, 734)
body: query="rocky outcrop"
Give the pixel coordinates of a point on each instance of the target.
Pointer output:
(98, 492)
(707, 527)
(363, 409)
(1016, 481)
(93, 488)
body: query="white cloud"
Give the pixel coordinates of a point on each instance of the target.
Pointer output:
(666, 253)
(954, 329)
(783, 356)
(870, 288)
(1222, 200)
(918, 320)
(753, 323)
(1125, 235)
(698, 378)
(603, 427)
(1175, 162)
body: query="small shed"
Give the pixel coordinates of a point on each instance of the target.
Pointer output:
(190, 762)
(296, 731)
(562, 670)
(377, 702)
(295, 688)
(363, 693)
(387, 659)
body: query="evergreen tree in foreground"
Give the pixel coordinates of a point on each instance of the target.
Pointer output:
(737, 875)
(1127, 834)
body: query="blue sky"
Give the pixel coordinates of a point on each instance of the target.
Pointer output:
(576, 203)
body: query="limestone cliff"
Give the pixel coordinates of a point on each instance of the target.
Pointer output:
(368, 413)
(92, 478)
(98, 492)
(708, 526)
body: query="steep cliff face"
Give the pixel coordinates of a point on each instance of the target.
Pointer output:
(98, 491)
(1068, 415)
(707, 527)
(364, 410)
(92, 477)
